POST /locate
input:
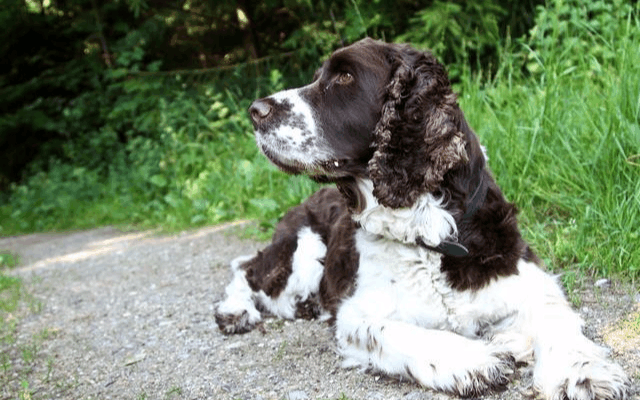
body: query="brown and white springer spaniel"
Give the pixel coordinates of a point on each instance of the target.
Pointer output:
(416, 257)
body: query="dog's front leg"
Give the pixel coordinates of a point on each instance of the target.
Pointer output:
(237, 313)
(437, 359)
(282, 280)
(567, 364)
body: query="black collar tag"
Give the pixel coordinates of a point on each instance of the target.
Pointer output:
(453, 249)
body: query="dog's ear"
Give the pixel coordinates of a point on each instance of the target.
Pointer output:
(418, 137)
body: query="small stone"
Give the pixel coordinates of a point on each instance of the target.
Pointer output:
(415, 395)
(235, 345)
(297, 395)
(135, 359)
(603, 283)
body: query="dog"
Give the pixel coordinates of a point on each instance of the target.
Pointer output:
(415, 256)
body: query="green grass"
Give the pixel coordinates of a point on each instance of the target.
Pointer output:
(19, 358)
(563, 144)
(10, 294)
(560, 119)
(196, 173)
(9, 289)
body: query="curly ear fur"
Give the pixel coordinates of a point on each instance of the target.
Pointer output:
(418, 137)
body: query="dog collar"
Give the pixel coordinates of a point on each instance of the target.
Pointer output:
(446, 247)
(455, 249)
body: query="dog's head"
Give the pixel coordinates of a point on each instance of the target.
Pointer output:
(379, 111)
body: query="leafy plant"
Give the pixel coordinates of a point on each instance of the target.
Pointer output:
(134, 145)
(8, 260)
(465, 34)
(579, 36)
(561, 139)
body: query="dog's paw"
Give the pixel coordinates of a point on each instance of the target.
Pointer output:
(591, 380)
(492, 375)
(230, 323)
(237, 313)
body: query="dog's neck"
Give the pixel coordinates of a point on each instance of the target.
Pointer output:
(427, 220)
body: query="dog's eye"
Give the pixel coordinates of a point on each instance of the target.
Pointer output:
(344, 78)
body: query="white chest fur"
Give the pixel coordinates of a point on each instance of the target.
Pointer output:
(404, 283)
(400, 282)
(397, 279)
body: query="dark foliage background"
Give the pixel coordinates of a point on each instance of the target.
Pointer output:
(66, 79)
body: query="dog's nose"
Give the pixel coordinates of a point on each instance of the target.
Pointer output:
(259, 110)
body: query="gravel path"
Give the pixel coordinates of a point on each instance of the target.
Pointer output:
(130, 316)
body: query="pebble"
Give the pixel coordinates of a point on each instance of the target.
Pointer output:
(235, 345)
(416, 395)
(297, 395)
(603, 283)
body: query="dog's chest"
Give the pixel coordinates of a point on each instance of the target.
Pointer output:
(403, 282)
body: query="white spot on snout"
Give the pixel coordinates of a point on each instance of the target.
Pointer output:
(298, 138)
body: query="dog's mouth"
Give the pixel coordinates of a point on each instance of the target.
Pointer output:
(334, 168)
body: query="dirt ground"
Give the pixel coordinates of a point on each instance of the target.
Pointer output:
(130, 315)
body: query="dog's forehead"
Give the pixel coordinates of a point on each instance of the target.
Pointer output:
(363, 55)
(362, 49)
(339, 61)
